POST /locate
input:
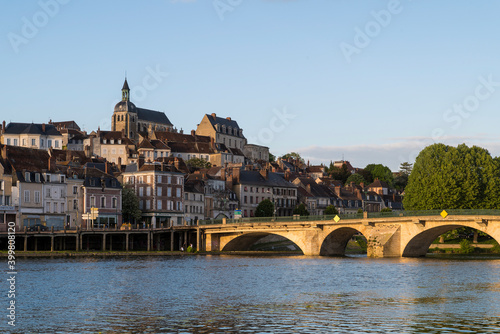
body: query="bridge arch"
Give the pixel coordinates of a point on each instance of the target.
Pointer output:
(419, 244)
(243, 242)
(335, 243)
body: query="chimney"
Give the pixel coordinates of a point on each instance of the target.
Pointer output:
(228, 118)
(3, 127)
(43, 127)
(337, 190)
(214, 115)
(236, 174)
(120, 162)
(265, 173)
(193, 133)
(182, 132)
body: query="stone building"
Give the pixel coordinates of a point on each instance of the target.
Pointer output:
(133, 120)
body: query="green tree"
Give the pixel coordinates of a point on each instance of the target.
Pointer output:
(405, 168)
(380, 172)
(356, 178)
(264, 209)
(293, 155)
(340, 174)
(400, 181)
(331, 210)
(130, 206)
(367, 175)
(301, 210)
(272, 157)
(198, 163)
(446, 177)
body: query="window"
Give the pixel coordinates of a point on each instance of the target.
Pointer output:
(24, 142)
(49, 207)
(178, 192)
(148, 191)
(169, 192)
(15, 142)
(104, 151)
(92, 202)
(148, 204)
(26, 196)
(61, 179)
(41, 143)
(37, 177)
(158, 204)
(49, 142)
(8, 141)
(47, 177)
(159, 179)
(103, 202)
(141, 191)
(169, 179)
(33, 142)
(7, 200)
(75, 204)
(114, 203)
(37, 197)
(245, 199)
(75, 190)
(158, 191)
(56, 143)
(27, 177)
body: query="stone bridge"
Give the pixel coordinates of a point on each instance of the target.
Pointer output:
(386, 237)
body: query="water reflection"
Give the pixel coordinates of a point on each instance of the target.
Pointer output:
(291, 294)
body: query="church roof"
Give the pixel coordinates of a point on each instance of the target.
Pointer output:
(125, 85)
(153, 116)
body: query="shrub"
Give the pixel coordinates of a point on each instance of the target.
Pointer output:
(465, 247)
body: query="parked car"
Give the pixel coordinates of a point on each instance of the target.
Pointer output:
(36, 226)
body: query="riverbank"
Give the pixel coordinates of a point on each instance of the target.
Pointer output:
(31, 254)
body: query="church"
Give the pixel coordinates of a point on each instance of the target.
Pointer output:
(134, 121)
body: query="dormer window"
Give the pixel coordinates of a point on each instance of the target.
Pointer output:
(112, 141)
(27, 177)
(37, 177)
(119, 141)
(47, 177)
(104, 141)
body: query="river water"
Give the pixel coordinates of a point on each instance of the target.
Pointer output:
(252, 294)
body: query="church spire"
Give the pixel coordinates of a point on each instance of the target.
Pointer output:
(125, 91)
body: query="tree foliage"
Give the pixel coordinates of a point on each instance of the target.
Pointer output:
(405, 168)
(380, 172)
(199, 163)
(272, 157)
(293, 155)
(331, 210)
(446, 177)
(340, 174)
(356, 178)
(264, 209)
(301, 210)
(130, 206)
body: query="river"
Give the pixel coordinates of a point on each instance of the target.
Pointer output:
(256, 294)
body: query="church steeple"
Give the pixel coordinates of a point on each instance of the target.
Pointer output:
(125, 91)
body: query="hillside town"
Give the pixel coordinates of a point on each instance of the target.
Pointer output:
(55, 175)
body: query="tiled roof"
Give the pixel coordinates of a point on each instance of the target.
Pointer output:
(153, 116)
(222, 121)
(255, 178)
(31, 128)
(378, 184)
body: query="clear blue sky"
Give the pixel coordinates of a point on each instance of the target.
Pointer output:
(354, 82)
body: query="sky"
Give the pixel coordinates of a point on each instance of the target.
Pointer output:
(365, 81)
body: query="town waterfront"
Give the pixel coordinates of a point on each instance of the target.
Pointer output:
(255, 294)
